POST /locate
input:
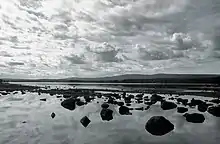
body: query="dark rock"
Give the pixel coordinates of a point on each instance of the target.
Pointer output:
(182, 109)
(69, 104)
(127, 100)
(66, 96)
(123, 110)
(194, 117)
(85, 121)
(105, 105)
(80, 103)
(141, 108)
(154, 98)
(216, 101)
(158, 126)
(59, 96)
(128, 104)
(131, 96)
(166, 105)
(53, 115)
(22, 92)
(124, 94)
(214, 110)
(140, 96)
(43, 99)
(106, 114)
(120, 103)
(147, 107)
(202, 107)
(195, 102)
(110, 101)
(183, 101)
(24, 122)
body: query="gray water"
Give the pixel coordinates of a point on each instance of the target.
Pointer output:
(83, 38)
(65, 128)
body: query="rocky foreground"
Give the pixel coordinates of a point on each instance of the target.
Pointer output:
(72, 99)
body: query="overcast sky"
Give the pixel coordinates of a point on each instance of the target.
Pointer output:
(92, 38)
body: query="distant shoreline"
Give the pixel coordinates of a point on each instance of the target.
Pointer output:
(136, 78)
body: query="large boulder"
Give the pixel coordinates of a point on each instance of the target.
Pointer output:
(214, 110)
(166, 105)
(106, 114)
(194, 117)
(182, 109)
(85, 121)
(158, 126)
(123, 110)
(69, 104)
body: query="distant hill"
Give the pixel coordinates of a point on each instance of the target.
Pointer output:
(136, 78)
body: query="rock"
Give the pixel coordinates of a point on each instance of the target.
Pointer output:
(106, 114)
(80, 103)
(182, 109)
(105, 105)
(147, 107)
(154, 98)
(141, 108)
(195, 102)
(123, 110)
(171, 98)
(69, 104)
(128, 104)
(158, 126)
(124, 94)
(43, 99)
(214, 110)
(22, 92)
(85, 121)
(216, 101)
(59, 96)
(127, 100)
(53, 115)
(110, 101)
(202, 107)
(24, 122)
(166, 105)
(139, 96)
(120, 103)
(183, 101)
(66, 96)
(131, 96)
(194, 117)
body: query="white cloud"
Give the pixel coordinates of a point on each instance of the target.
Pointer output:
(47, 38)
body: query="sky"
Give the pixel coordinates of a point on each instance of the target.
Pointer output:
(94, 38)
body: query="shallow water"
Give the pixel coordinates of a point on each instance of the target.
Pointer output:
(65, 128)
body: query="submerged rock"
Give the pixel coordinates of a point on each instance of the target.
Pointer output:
(182, 109)
(85, 121)
(123, 110)
(69, 104)
(194, 117)
(214, 110)
(158, 126)
(106, 114)
(166, 105)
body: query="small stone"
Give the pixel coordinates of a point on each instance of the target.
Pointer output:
(43, 99)
(85, 121)
(106, 114)
(105, 105)
(182, 109)
(53, 115)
